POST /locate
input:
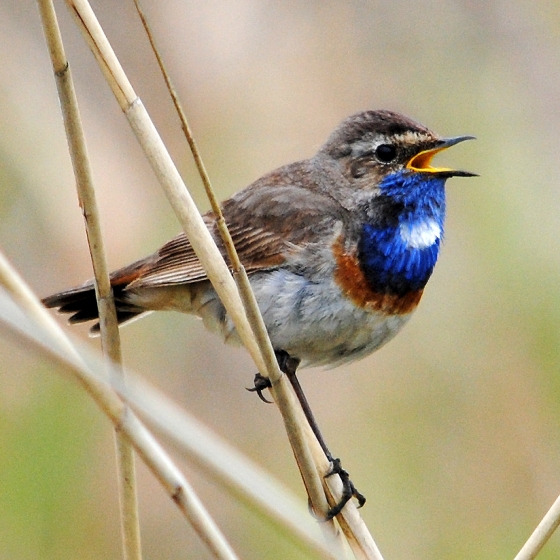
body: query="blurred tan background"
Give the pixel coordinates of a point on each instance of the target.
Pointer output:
(452, 430)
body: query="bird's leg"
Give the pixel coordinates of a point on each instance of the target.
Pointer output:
(289, 365)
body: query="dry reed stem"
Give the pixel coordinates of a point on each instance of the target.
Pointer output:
(39, 331)
(110, 339)
(542, 533)
(250, 485)
(125, 421)
(203, 245)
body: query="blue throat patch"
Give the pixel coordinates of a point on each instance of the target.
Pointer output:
(390, 263)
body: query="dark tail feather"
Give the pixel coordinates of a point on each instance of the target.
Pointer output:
(81, 302)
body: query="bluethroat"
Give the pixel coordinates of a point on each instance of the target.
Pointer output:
(338, 249)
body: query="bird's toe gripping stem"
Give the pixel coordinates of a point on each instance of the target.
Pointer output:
(260, 384)
(349, 491)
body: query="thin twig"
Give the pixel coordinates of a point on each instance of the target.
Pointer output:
(542, 533)
(110, 339)
(182, 117)
(240, 276)
(360, 541)
(124, 420)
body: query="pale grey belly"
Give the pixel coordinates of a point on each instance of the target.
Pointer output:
(315, 322)
(312, 321)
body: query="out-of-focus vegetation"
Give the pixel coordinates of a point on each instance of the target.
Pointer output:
(453, 430)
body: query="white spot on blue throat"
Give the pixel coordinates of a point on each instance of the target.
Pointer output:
(421, 234)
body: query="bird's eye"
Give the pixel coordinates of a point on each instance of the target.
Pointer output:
(385, 153)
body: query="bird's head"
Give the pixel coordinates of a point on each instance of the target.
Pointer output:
(381, 152)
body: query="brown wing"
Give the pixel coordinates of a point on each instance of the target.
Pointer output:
(177, 263)
(268, 221)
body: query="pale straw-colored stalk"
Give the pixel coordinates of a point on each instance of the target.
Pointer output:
(542, 533)
(23, 316)
(301, 437)
(110, 339)
(124, 420)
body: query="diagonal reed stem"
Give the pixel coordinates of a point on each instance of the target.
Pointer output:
(123, 419)
(350, 521)
(312, 482)
(35, 327)
(541, 534)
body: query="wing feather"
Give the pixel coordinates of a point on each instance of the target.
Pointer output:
(268, 222)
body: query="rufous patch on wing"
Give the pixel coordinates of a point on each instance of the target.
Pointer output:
(127, 275)
(352, 281)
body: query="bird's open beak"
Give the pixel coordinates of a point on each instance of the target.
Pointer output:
(422, 162)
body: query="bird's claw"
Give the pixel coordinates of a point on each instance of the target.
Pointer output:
(349, 491)
(261, 383)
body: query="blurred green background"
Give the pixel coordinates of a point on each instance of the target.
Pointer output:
(452, 430)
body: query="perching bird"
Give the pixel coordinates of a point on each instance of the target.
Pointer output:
(338, 247)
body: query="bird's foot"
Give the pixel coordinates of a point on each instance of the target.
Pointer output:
(349, 491)
(261, 383)
(287, 365)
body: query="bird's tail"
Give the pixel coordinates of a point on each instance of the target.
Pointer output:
(82, 303)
